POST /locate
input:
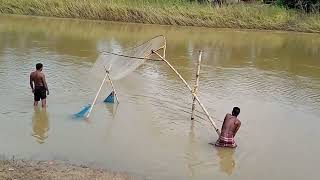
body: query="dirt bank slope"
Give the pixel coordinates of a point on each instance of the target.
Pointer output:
(34, 170)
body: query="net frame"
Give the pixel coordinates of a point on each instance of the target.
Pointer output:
(141, 44)
(127, 62)
(162, 58)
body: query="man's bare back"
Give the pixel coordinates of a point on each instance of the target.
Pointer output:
(230, 127)
(37, 78)
(39, 86)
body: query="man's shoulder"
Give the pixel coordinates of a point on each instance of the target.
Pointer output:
(36, 74)
(32, 74)
(40, 73)
(228, 115)
(238, 122)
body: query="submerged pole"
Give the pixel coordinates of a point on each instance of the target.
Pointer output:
(195, 89)
(196, 97)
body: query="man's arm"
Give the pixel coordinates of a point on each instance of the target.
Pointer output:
(238, 124)
(45, 83)
(225, 119)
(31, 82)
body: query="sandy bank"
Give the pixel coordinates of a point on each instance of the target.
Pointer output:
(51, 170)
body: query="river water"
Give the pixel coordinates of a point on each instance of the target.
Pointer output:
(274, 77)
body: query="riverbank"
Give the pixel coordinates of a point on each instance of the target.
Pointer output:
(174, 12)
(33, 170)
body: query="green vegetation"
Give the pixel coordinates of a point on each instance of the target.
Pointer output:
(305, 5)
(170, 12)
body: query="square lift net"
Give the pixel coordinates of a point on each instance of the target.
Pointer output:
(120, 64)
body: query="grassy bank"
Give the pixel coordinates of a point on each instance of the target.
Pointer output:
(170, 12)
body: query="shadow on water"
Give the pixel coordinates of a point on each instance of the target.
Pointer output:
(40, 124)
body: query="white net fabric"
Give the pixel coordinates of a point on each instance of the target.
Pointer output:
(123, 63)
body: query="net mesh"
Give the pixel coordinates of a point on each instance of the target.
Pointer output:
(123, 63)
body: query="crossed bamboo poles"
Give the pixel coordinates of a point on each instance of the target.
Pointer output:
(97, 95)
(193, 91)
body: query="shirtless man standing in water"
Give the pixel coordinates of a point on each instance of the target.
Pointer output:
(230, 127)
(39, 86)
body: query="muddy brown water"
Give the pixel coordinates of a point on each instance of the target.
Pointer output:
(274, 77)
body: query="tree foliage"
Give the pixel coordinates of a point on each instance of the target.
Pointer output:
(306, 5)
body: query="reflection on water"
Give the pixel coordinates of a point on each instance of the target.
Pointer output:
(226, 160)
(40, 124)
(192, 156)
(112, 109)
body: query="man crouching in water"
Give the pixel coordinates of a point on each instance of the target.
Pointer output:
(230, 127)
(40, 88)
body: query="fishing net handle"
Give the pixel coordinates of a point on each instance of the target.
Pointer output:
(142, 58)
(131, 57)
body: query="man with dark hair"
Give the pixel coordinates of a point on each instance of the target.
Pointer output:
(39, 86)
(230, 127)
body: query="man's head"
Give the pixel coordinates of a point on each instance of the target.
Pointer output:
(235, 111)
(39, 66)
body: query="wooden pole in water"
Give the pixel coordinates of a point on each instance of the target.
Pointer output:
(196, 86)
(164, 49)
(113, 89)
(95, 99)
(196, 97)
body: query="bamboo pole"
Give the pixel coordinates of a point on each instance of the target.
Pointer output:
(196, 97)
(164, 50)
(195, 90)
(95, 99)
(112, 86)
